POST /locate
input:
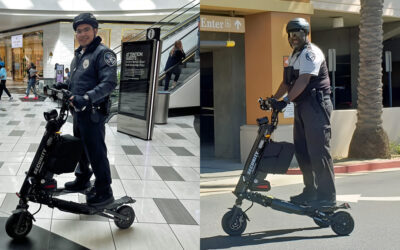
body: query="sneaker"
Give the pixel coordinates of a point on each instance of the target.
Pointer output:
(26, 97)
(35, 98)
(304, 198)
(11, 98)
(79, 184)
(100, 198)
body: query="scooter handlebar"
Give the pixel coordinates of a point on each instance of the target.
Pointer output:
(265, 104)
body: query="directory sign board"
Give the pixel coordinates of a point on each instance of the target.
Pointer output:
(138, 85)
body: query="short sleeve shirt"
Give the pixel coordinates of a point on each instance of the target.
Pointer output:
(307, 61)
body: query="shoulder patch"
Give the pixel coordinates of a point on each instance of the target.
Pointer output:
(110, 59)
(310, 56)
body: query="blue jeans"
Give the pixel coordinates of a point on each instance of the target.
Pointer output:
(31, 84)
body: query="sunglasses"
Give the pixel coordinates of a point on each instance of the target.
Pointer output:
(298, 34)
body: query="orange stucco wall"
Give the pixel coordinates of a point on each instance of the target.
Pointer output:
(265, 46)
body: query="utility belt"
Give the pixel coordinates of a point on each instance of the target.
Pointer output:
(103, 107)
(319, 94)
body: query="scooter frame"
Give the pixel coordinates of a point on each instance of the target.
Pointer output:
(251, 180)
(34, 187)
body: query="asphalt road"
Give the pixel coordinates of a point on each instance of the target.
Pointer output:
(376, 213)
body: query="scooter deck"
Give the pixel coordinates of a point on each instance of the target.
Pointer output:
(329, 209)
(116, 203)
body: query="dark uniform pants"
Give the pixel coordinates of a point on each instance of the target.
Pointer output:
(92, 133)
(312, 134)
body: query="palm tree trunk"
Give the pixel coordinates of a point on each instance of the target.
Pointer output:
(369, 139)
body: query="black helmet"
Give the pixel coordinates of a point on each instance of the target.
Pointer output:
(297, 24)
(87, 18)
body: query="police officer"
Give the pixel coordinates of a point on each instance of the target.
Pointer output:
(307, 84)
(93, 77)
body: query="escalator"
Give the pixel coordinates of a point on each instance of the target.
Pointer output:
(182, 24)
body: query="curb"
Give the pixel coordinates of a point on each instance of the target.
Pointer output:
(368, 166)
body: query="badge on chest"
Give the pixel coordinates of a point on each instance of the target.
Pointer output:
(85, 63)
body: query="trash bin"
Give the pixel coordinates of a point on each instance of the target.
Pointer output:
(161, 107)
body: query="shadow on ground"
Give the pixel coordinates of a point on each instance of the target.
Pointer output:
(257, 238)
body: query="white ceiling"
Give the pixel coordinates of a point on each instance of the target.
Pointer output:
(21, 19)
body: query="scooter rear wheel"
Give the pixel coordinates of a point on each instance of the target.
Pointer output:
(342, 223)
(20, 232)
(128, 212)
(234, 226)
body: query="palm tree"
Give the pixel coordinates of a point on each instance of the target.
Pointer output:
(369, 139)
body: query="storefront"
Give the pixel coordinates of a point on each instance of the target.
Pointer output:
(18, 51)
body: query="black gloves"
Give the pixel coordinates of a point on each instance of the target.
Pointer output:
(277, 105)
(60, 85)
(80, 103)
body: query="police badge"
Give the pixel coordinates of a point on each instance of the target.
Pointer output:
(85, 63)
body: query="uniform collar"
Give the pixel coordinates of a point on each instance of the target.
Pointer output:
(91, 47)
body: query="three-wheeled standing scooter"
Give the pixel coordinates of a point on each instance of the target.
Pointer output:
(58, 154)
(267, 156)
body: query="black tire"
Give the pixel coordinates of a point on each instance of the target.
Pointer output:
(321, 224)
(342, 223)
(23, 230)
(236, 227)
(125, 211)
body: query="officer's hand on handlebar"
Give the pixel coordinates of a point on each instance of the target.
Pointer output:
(277, 105)
(79, 103)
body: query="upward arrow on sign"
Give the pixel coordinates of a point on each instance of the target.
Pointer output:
(238, 24)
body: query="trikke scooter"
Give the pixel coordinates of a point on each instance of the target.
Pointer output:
(267, 156)
(58, 154)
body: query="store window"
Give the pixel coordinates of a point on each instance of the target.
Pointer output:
(33, 50)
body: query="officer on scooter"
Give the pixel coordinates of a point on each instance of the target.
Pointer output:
(93, 77)
(306, 82)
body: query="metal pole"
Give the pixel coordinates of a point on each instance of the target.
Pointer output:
(333, 90)
(390, 88)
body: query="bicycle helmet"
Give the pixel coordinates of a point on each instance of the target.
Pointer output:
(297, 24)
(83, 18)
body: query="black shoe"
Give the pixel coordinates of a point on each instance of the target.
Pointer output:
(100, 198)
(323, 203)
(304, 198)
(79, 184)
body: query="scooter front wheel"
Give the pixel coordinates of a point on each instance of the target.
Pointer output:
(17, 229)
(234, 226)
(128, 212)
(342, 223)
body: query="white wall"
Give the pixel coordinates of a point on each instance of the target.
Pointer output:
(343, 125)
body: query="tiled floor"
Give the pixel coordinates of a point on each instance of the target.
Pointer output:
(162, 175)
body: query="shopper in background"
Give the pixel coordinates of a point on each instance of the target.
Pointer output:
(32, 76)
(172, 67)
(3, 78)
